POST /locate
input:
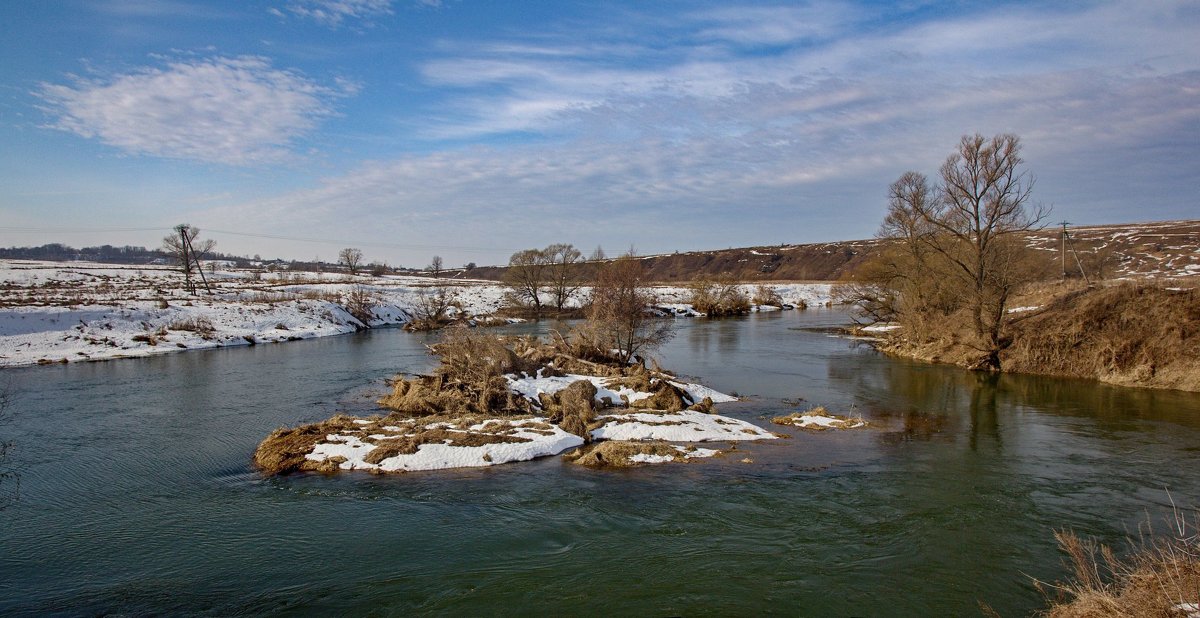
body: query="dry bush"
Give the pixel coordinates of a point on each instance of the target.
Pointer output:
(573, 408)
(1159, 578)
(767, 295)
(432, 308)
(472, 356)
(359, 303)
(718, 297)
(198, 324)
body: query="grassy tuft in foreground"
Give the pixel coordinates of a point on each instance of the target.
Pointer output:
(1161, 578)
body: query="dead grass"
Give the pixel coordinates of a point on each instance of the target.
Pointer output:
(573, 408)
(200, 325)
(409, 444)
(283, 451)
(840, 422)
(1161, 575)
(1128, 334)
(619, 453)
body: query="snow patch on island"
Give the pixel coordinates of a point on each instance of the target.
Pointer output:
(685, 426)
(536, 441)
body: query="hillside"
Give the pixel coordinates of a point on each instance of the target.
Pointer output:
(1157, 249)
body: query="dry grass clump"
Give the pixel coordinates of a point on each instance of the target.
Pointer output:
(620, 453)
(573, 408)
(198, 324)
(767, 295)
(1160, 579)
(839, 422)
(283, 451)
(718, 297)
(1129, 334)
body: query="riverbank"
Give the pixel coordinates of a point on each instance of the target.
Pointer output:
(60, 312)
(1128, 334)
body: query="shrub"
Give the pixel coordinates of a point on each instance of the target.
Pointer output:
(198, 324)
(767, 295)
(718, 297)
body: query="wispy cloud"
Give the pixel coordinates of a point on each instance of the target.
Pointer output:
(670, 141)
(333, 13)
(233, 111)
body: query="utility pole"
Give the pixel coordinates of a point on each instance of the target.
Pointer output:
(1063, 251)
(1066, 238)
(189, 259)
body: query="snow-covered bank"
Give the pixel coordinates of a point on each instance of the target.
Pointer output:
(63, 312)
(52, 312)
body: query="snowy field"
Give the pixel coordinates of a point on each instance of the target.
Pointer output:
(53, 312)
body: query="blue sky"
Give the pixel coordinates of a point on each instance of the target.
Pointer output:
(472, 129)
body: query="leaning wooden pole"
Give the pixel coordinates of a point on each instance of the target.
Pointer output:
(192, 251)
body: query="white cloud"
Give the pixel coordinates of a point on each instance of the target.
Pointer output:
(704, 146)
(334, 13)
(234, 111)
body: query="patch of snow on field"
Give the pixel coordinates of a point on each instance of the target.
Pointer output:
(879, 328)
(1023, 309)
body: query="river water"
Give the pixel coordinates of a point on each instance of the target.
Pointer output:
(137, 495)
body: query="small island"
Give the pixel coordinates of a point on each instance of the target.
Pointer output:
(495, 399)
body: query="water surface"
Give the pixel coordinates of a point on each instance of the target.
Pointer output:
(137, 495)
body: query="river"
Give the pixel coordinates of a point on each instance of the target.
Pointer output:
(137, 496)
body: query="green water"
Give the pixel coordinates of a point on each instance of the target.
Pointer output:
(137, 496)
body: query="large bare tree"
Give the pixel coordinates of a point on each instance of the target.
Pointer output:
(966, 229)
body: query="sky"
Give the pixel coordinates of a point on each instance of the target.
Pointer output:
(471, 129)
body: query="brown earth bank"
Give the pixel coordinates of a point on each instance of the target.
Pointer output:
(1128, 333)
(1154, 249)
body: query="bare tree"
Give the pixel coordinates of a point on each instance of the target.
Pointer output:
(620, 322)
(435, 266)
(966, 229)
(350, 258)
(598, 254)
(563, 263)
(525, 277)
(188, 251)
